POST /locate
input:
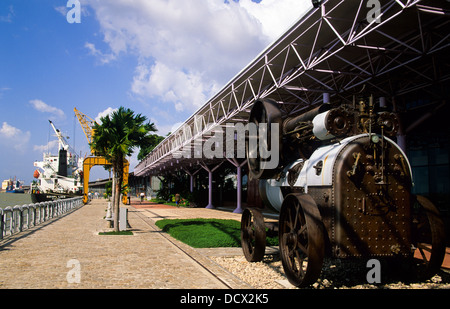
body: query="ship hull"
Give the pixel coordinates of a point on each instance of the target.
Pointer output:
(45, 197)
(15, 191)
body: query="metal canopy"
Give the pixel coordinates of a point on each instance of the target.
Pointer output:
(333, 49)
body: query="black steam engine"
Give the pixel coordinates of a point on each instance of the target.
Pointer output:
(342, 189)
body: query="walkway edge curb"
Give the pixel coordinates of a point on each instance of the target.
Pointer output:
(209, 265)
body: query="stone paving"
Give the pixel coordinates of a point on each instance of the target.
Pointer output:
(43, 257)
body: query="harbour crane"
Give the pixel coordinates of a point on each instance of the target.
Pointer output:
(62, 140)
(87, 124)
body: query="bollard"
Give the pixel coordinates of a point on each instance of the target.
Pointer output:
(109, 215)
(108, 211)
(123, 218)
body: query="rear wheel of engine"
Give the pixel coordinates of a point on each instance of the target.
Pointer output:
(429, 238)
(253, 235)
(301, 239)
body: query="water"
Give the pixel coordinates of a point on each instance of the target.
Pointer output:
(13, 199)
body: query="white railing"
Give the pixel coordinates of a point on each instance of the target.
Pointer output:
(16, 219)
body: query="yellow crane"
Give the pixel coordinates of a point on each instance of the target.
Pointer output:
(87, 124)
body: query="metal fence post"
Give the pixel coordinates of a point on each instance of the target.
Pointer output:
(1, 223)
(13, 218)
(34, 214)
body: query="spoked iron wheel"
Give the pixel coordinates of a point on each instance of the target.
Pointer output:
(301, 239)
(253, 235)
(429, 234)
(264, 112)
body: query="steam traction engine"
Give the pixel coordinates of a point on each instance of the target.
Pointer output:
(342, 188)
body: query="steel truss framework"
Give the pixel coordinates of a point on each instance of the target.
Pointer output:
(332, 49)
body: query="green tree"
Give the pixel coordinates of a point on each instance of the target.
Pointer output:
(116, 138)
(153, 141)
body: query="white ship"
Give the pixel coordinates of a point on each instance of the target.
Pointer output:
(58, 176)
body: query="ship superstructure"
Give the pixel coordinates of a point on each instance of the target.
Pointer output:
(58, 175)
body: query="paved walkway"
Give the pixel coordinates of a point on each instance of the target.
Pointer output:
(38, 258)
(42, 257)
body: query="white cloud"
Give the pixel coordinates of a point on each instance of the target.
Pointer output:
(9, 131)
(187, 50)
(13, 137)
(184, 90)
(57, 114)
(103, 58)
(276, 16)
(104, 113)
(62, 10)
(8, 18)
(49, 147)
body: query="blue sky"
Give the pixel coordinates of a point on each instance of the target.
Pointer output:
(161, 58)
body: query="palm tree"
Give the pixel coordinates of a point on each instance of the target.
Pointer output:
(115, 139)
(154, 140)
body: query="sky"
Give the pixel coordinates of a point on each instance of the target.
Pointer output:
(161, 58)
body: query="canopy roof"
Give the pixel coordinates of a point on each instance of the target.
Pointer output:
(336, 49)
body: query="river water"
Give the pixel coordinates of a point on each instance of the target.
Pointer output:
(13, 199)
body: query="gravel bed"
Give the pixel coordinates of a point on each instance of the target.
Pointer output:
(336, 274)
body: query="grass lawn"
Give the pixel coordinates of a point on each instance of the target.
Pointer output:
(116, 233)
(207, 233)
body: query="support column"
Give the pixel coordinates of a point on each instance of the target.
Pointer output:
(210, 204)
(238, 166)
(210, 171)
(191, 184)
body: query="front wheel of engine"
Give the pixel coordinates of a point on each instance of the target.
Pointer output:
(301, 238)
